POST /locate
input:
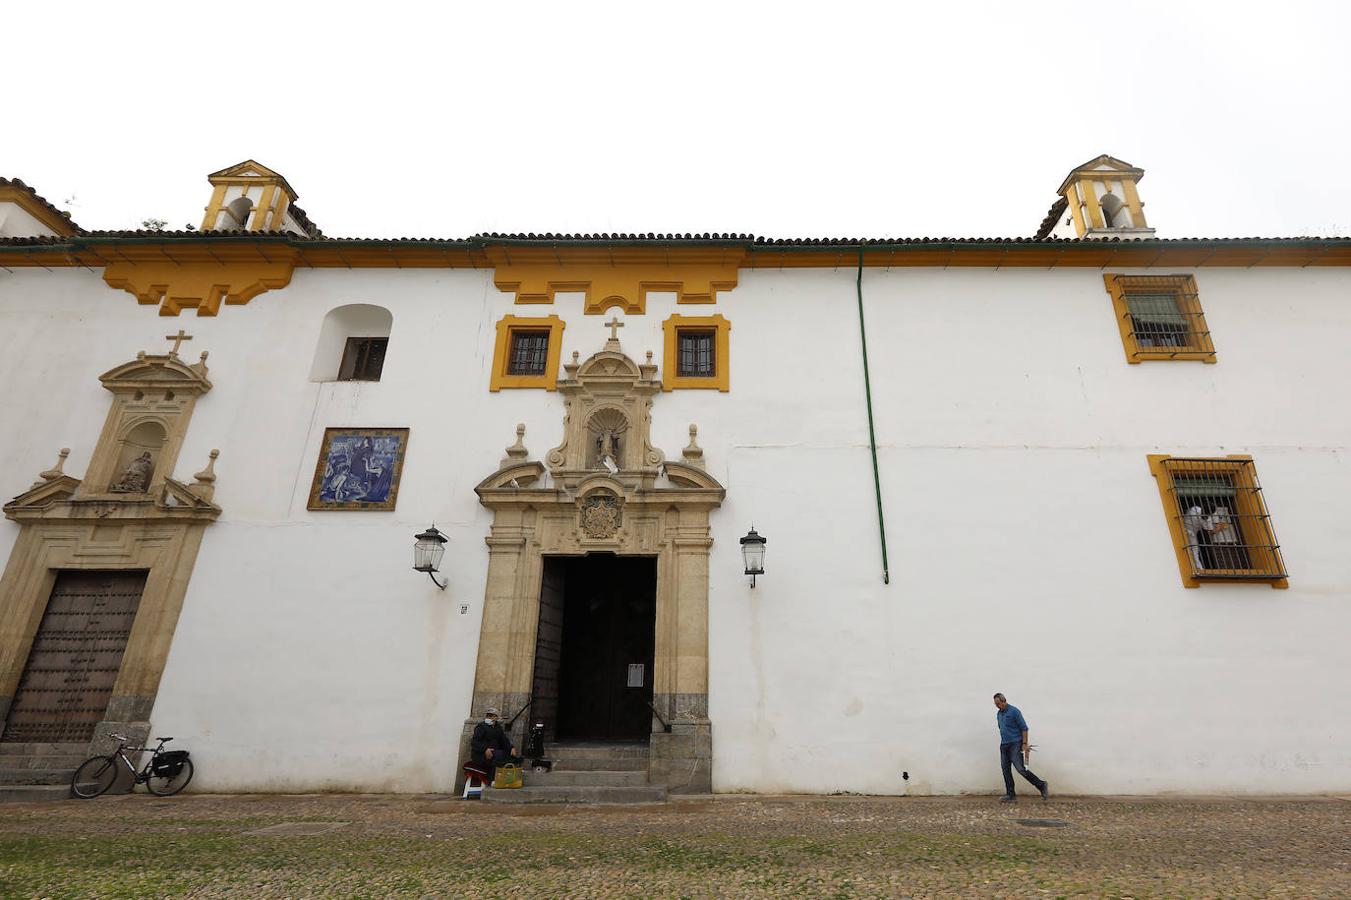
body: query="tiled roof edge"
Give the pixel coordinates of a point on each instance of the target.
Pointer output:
(43, 201)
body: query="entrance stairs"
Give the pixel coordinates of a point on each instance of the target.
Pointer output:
(587, 773)
(38, 771)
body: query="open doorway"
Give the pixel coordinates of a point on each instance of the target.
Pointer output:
(595, 646)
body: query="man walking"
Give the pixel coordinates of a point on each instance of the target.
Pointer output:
(1013, 750)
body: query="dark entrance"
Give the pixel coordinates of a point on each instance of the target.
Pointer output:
(76, 655)
(593, 658)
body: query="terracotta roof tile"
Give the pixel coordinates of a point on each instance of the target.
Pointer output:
(43, 201)
(1048, 224)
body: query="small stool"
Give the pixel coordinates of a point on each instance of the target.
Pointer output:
(475, 779)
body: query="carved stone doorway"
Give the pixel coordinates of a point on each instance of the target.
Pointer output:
(76, 655)
(605, 489)
(595, 648)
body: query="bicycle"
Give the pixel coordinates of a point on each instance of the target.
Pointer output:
(165, 774)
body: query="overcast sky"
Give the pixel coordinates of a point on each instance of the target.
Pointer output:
(824, 119)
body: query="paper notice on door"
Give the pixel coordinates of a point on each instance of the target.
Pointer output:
(636, 671)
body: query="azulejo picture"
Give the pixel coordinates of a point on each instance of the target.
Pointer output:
(359, 468)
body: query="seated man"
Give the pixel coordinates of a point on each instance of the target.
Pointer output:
(490, 747)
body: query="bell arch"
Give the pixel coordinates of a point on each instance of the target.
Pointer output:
(574, 504)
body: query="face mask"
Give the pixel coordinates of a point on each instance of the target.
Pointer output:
(489, 721)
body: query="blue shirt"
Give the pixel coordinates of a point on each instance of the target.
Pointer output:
(1011, 724)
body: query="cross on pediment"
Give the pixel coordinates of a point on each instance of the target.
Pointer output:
(178, 339)
(614, 325)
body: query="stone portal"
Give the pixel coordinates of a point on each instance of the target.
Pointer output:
(604, 490)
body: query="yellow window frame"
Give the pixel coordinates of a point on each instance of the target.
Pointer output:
(1183, 289)
(548, 380)
(720, 380)
(1268, 566)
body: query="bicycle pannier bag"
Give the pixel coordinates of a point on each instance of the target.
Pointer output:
(169, 764)
(508, 776)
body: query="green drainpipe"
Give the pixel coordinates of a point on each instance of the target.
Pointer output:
(872, 431)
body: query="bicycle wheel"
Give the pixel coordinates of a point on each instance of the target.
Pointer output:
(94, 776)
(168, 785)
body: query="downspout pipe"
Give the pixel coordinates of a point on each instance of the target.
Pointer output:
(872, 430)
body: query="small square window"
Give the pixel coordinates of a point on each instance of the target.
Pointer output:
(1160, 317)
(526, 353)
(697, 354)
(1219, 520)
(529, 353)
(363, 359)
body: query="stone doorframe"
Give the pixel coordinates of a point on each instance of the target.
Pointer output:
(606, 489)
(154, 525)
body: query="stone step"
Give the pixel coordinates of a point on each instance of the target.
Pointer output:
(598, 764)
(34, 793)
(36, 776)
(609, 778)
(577, 794)
(41, 749)
(64, 761)
(564, 750)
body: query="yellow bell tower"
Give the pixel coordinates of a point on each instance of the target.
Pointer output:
(1103, 201)
(250, 197)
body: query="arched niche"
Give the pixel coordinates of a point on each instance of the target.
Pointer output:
(237, 212)
(139, 451)
(355, 320)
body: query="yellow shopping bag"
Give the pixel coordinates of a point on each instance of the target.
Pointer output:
(508, 776)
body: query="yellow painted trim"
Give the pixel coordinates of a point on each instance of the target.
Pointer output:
(213, 208)
(499, 379)
(25, 201)
(1163, 479)
(198, 285)
(721, 379)
(1133, 203)
(1075, 205)
(264, 207)
(1116, 289)
(615, 276)
(1091, 201)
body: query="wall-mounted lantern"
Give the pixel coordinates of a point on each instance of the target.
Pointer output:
(753, 553)
(427, 553)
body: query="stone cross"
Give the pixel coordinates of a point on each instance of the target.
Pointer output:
(614, 324)
(177, 339)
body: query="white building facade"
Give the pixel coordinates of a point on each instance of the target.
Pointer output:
(1110, 468)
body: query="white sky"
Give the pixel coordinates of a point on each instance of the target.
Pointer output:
(822, 119)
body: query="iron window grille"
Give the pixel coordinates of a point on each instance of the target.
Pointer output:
(1160, 317)
(696, 356)
(1221, 520)
(529, 353)
(363, 359)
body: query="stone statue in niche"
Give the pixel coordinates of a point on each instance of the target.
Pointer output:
(607, 450)
(136, 478)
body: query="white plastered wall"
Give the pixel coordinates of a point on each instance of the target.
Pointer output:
(1028, 548)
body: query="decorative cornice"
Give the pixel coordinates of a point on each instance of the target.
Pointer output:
(176, 286)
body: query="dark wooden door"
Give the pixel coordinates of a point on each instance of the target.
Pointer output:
(609, 626)
(75, 657)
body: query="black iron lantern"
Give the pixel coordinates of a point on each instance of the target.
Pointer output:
(753, 553)
(427, 553)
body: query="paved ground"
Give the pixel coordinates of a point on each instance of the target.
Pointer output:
(379, 846)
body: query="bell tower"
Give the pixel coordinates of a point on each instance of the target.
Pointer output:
(1102, 200)
(249, 196)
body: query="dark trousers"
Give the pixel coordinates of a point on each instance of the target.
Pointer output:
(1011, 757)
(500, 758)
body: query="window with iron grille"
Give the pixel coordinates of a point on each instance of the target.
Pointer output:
(697, 354)
(529, 354)
(363, 359)
(1160, 317)
(1218, 519)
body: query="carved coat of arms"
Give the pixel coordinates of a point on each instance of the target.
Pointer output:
(600, 515)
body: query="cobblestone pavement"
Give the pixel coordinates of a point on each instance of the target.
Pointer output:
(379, 846)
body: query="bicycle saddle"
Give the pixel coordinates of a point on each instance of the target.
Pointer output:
(163, 739)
